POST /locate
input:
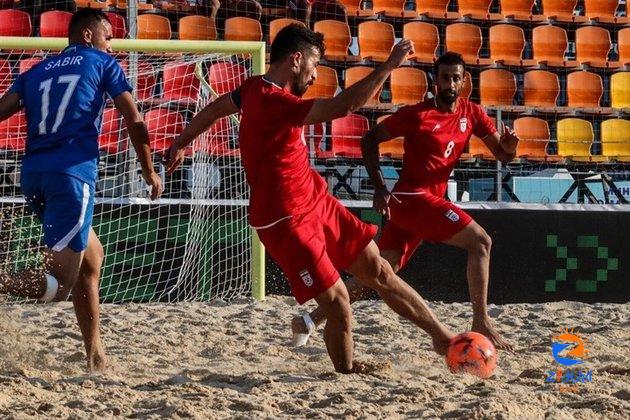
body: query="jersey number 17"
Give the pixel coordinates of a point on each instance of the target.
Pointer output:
(70, 80)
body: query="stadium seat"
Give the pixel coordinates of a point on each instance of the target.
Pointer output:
(478, 149)
(497, 87)
(477, 9)
(561, 11)
(119, 25)
(226, 76)
(163, 126)
(466, 39)
(346, 133)
(507, 43)
(353, 8)
(534, 135)
(585, 90)
(146, 80)
(6, 76)
(615, 137)
(394, 148)
(436, 9)
(180, 83)
(15, 23)
(620, 90)
(426, 39)
(376, 40)
(152, 26)
(467, 89)
(197, 28)
(28, 63)
(354, 74)
(603, 11)
(219, 137)
(623, 46)
(109, 138)
(13, 133)
(549, 44)
(54, 24)
(541, 89)
(242, 29)
(277, 24)
(575, 137)
(393, 8)
(592, 44)
(337, 40)
(325, 85)
(520, 10)
(408, 85)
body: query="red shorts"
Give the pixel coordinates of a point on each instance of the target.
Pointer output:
(420, 217)
(310, 248)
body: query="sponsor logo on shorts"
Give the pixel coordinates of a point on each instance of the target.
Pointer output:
(452, 216)
(463, 123)
(306, 278)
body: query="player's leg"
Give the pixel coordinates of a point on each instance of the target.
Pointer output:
(474, 239)
(85, 298)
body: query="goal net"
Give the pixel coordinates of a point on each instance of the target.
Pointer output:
(192, 244)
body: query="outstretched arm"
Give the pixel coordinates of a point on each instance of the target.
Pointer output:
(9, 105)
(369, 149)
(358, 94)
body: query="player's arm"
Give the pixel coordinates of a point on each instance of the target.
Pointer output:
(503, 147)
(354, 97)
(139, 135)
(10, 103)
(201, 122)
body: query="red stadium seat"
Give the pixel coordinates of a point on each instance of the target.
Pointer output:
(119, 25)
(346, 135)
(6, 77)
(109, 139)
(146, 80)
(217, 141)
(13, 133)
(54, 24)
(225, 76)
(163, 126)
(15, 23)
(180, 83)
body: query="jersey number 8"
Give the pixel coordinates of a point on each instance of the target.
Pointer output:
(449, 148)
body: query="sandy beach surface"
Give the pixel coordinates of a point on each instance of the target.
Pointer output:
(234, 360)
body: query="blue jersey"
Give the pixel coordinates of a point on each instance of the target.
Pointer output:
(64, 97)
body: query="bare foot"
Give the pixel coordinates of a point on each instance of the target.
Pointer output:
(97, 362)
(440, 343)
(486, 327)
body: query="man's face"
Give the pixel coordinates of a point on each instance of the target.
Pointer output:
(304, 70)
(450, 81)
(100, 36)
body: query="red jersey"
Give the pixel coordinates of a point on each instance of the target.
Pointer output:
(434, 141)
(274, 153)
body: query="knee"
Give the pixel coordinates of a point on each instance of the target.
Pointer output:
(483, 243)
(383, 274)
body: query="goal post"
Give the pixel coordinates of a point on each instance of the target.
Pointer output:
(201, 221)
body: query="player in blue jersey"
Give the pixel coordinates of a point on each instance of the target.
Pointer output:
(63, 98)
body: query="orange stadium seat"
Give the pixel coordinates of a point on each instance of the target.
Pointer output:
(408, 85)
(393, 148)
(376, 40)
(325, 85)
(561, 10)
(337, 40)
(346, 133)
(623, 44)
(534, 135)
(218, 139)
(615, 137)
(225, 76)
(277, 24)
(549, 44)
(478, 149)
(15, 23)
(467, 89)
(426, 39)
(575, 138)
(585, 90)
(54, 24)
(592, 44)
(6, 76)
(541, 89)
(520, 10)
(197, 28)
(119, 25)
(620, 90)
(146, 79)
(436, 9)
(354, 74)
(601, 10)
(478, 9)
(393, 8)
(152, 26)
(242, 29)
(466, 39)
(109, 138)
(13, 132)
(507, 43)
(497, 87)
(353, 8)
(163, 126)
(28, 63)
(180, 83)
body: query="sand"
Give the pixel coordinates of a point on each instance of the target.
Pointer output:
(220, 360)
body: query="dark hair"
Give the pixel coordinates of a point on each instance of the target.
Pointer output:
(448, 59)
(85, 18)
(294, 38)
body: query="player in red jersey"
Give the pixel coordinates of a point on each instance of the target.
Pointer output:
(304, 228)
(435, 133)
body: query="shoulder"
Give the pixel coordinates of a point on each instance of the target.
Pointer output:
(471, 107)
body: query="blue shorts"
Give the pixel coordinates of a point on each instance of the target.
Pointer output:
(64, 205)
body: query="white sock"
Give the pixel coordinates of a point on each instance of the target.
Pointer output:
(300, 339)
(52, 285)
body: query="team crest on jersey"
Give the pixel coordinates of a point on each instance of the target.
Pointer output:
(306, 278)
(452, 216)
(463, 123)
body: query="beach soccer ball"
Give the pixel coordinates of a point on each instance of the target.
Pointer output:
(473, 353)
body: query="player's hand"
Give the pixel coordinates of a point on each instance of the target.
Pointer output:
(399, 53)
(154, 180)
(509, 140)
(173, 157)
(381, 201)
